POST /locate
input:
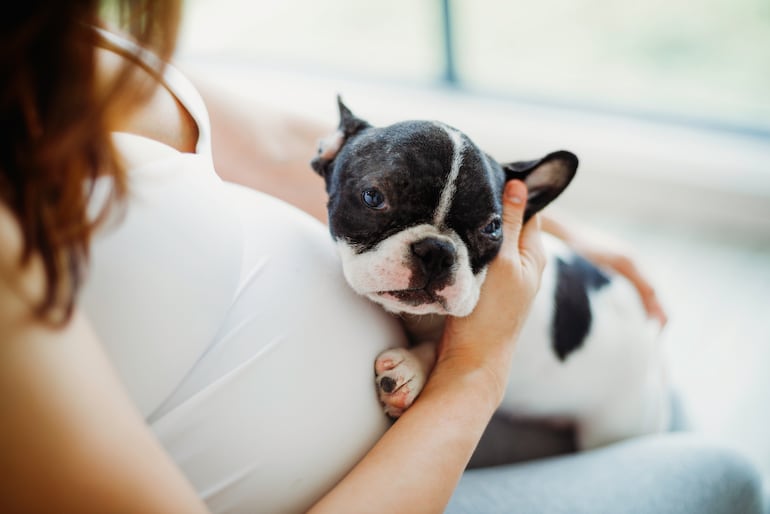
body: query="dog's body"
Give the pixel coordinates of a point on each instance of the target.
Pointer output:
(415, 209)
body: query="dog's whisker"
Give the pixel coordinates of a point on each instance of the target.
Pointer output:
(401, 386)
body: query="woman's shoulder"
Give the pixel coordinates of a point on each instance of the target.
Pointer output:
(158, 116)
(10, 238)
(18, 279)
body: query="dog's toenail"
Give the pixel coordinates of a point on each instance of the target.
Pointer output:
(387, 384)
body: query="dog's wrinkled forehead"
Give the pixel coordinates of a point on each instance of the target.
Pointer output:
(426, 172)
(400, 149)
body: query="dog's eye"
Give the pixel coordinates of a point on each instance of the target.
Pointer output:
(493, 229)
(373, 198)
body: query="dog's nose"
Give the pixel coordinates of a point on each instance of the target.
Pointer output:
(437, 256)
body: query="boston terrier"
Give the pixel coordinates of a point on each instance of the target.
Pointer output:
(415, 209)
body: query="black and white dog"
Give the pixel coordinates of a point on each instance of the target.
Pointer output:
(415, 210)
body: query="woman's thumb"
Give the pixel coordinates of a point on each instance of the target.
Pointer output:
(514, 202)
(525, 239)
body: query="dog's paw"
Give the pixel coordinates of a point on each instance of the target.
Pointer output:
(399, 376)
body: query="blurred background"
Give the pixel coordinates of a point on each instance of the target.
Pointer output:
(666, 102)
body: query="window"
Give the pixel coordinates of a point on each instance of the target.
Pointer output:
(393, 40)
(704, 63)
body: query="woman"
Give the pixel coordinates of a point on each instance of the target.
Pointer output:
(210, 350)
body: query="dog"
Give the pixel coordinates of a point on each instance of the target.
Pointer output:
(415, 210)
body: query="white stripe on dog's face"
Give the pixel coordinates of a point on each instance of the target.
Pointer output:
(387, 268)
(447, 194)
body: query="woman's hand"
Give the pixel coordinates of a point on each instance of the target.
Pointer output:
(603, 251)
(485, 339)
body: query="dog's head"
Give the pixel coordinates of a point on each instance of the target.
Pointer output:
(416, 209)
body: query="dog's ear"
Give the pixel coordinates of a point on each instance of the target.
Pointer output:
(546, 178)
(329, 147)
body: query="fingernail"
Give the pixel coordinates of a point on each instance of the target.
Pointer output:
(514, 191)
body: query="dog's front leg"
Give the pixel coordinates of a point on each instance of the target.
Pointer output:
(400, 375)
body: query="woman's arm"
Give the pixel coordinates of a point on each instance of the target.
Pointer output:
(603, 251)
(70, 438)
(418, 462)
(265, 148)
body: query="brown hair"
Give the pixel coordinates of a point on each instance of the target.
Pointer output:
(56, 141)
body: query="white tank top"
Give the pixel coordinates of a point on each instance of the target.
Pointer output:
(227, 317)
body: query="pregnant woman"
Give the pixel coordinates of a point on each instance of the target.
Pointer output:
(172, 342)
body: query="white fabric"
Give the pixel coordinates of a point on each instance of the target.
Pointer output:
(227, 317)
